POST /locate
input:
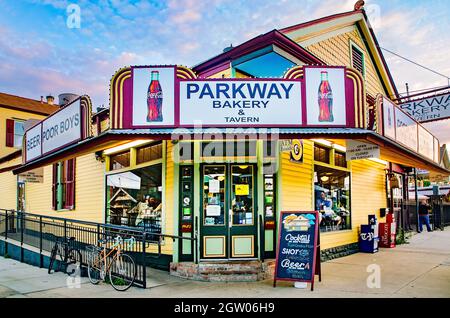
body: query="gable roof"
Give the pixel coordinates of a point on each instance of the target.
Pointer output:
(358, 18)
(274, 37)
(26, 104)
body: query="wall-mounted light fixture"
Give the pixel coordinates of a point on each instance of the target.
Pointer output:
(99, 156)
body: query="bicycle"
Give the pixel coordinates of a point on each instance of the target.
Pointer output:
(119, 266)
(67, 255)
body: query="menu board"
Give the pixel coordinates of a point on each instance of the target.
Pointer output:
(297, 247)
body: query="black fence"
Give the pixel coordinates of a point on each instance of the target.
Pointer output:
(439, 216)
(40, 232)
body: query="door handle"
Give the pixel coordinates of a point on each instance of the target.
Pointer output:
(230, 218)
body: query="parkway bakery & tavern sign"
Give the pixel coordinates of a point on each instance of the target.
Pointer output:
(174, 97)
(429, 108)
(240, 102)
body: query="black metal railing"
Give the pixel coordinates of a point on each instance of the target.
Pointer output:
(39, 231)
(437, 219)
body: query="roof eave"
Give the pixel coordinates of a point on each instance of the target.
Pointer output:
(295, 27)
(274, 37)
(364, 20)
(31, 111)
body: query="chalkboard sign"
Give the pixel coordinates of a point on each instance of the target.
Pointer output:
(297, 247)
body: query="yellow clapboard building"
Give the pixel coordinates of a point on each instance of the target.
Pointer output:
(148, 163)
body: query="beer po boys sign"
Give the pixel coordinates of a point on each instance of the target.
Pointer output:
(172, 96)
(64, 127)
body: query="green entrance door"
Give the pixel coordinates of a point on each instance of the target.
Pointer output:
(228, 211)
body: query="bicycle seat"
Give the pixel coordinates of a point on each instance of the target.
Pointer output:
(70, 239)
(103, 241)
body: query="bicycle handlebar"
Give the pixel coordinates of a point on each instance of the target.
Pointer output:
(118, 240)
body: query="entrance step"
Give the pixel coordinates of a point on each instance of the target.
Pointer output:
(224, 271)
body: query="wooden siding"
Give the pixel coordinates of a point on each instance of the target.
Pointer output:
(89, 192)
(367, 192)
(336, 51)
(8, 186)
(6, 113)
(104, 125)
(297, 181)
(168, 226)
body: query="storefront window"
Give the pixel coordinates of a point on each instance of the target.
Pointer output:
(120, 160)
(242, 194)
(332, 198)
(214, 195)
(339, 159)
(134, 198)
(321, 154)
(149, 153)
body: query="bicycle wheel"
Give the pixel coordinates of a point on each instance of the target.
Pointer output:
(52, 258)
(95, 268)
(73, 264)
(122, 272)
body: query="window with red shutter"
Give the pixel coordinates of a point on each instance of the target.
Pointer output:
(69, 184)
(55, 186)
(63, 185)
(9, 133)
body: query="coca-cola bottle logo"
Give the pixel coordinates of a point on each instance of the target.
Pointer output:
(154, 99)
(326, 95)
(155, 95)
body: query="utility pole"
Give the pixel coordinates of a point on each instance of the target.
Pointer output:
(417, 198)
(407, 91)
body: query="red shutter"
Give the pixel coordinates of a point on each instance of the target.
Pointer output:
(55, 186)
(9, 133)
(69, 183)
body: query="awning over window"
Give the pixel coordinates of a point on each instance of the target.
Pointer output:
(389, 150)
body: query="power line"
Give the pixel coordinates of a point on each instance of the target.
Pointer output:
(415, 63)
(426, 89)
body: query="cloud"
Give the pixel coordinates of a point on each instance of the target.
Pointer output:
(116, 33)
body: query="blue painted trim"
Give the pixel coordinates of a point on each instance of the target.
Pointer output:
(252, 55)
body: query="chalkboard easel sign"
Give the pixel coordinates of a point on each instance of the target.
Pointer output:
(297, 253)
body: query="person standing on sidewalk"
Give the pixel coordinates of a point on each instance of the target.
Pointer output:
(423, 215)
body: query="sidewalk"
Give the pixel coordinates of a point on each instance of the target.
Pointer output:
(418, 269)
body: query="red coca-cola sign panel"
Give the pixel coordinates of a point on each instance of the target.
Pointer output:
(325, 95)
(153, 96)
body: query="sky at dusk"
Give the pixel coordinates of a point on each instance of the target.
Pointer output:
(41, 55)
